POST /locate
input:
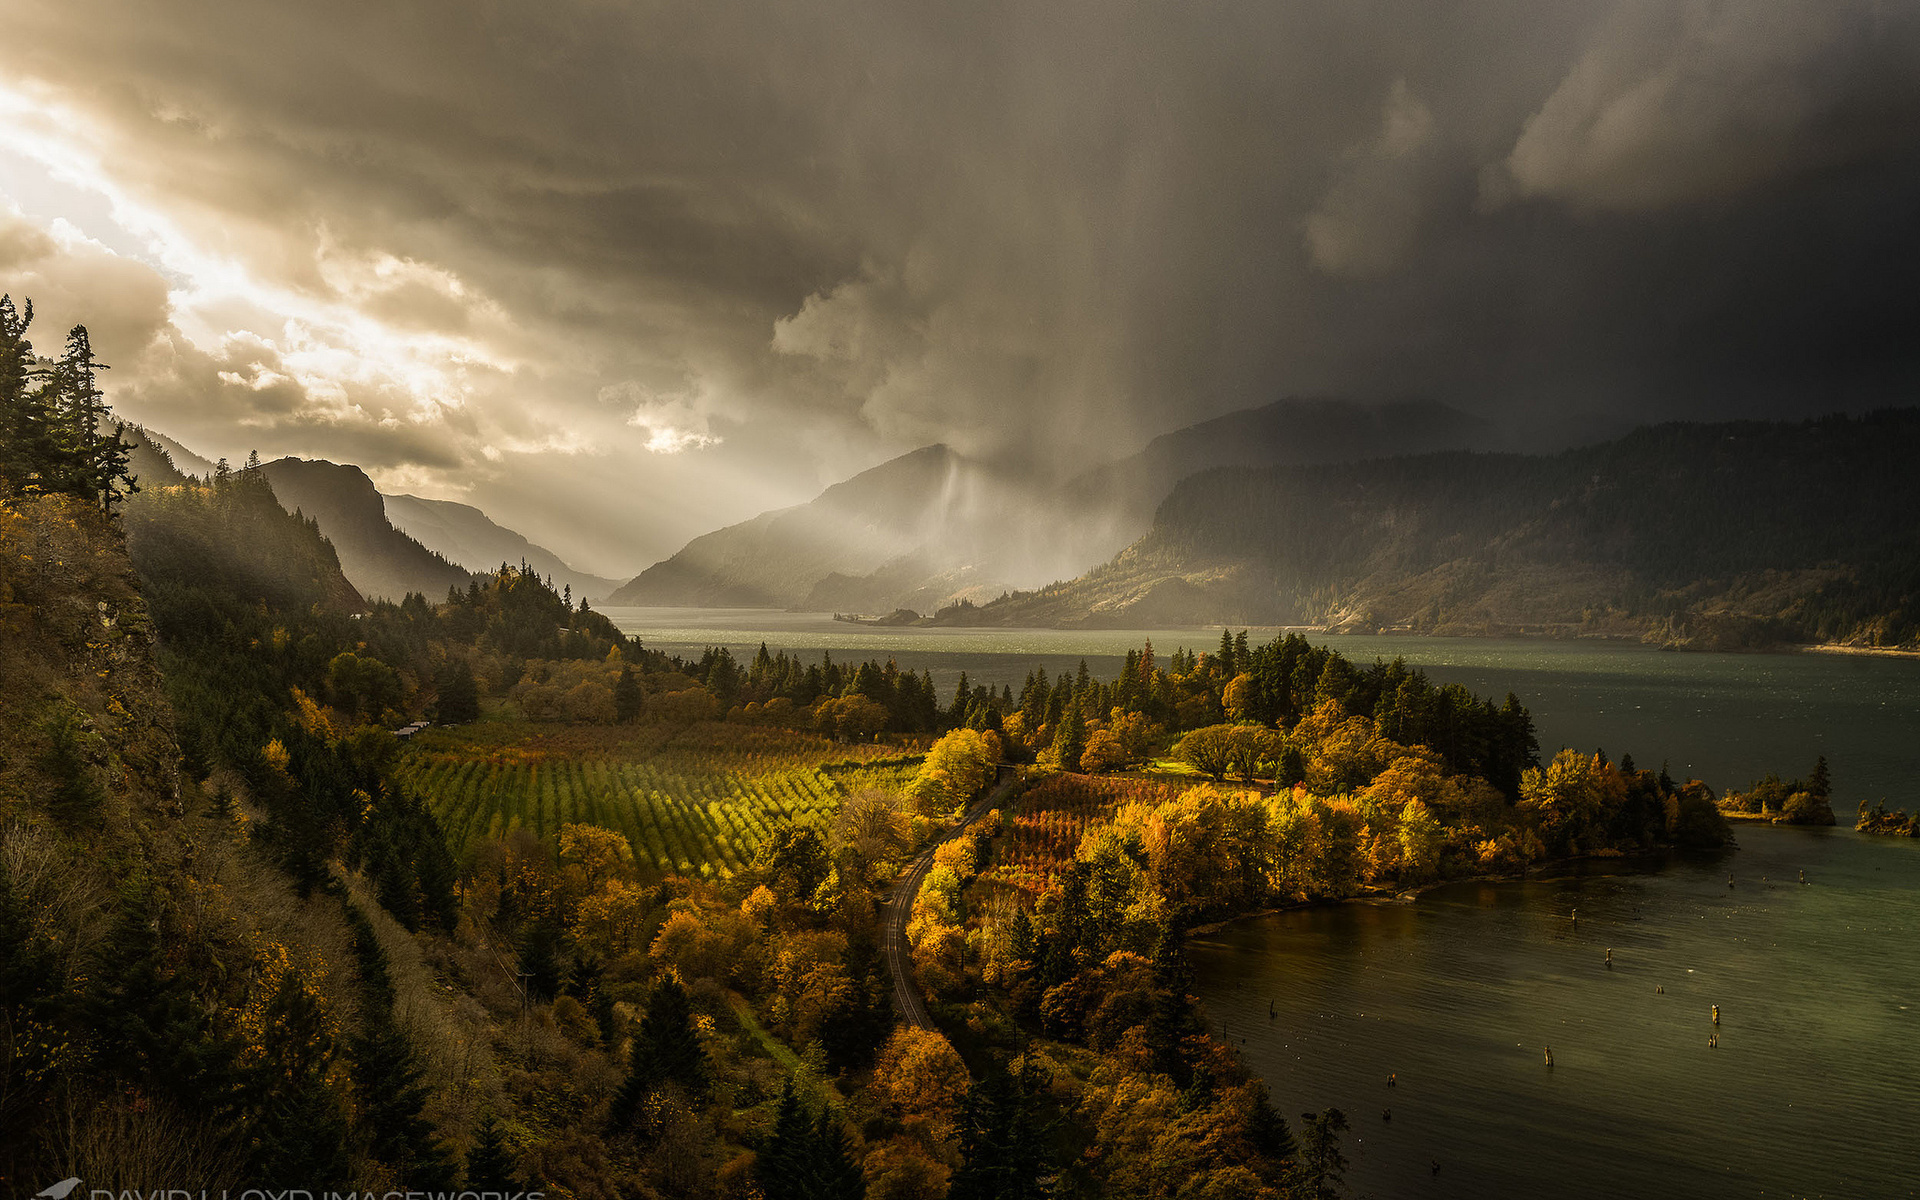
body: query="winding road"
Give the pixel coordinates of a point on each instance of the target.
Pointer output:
(906, 992)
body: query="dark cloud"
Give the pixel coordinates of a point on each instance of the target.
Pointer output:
(673, 263)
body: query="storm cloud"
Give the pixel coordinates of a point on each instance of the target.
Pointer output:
(621, 273)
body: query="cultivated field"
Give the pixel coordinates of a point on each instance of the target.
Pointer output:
(1044, 827)
(692, 800)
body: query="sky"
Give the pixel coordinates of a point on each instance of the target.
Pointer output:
(620, 273)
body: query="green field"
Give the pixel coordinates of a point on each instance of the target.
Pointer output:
(697, 800)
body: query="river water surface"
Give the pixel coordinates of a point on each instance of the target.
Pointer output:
(1814, 1088)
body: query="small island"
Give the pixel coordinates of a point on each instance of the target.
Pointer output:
(1892, 824)
(1784, 801)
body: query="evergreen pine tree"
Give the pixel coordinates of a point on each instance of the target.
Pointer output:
(28, 448)
(857, 1024)
(299, 1128)
(391, 1099)
(75, 796)
(434, 868)
(1322, 1166)
(540, 957)
(1021, 936)
(386, 1075)
(458, 700)
(1267, 1129)
(93, 462)
(1004, 1139)
(628, 699)
(150, 1030)
(490, 1166)
(808, 1156)
(1070, 738)
(29, 988)
(832, 1172)
(1820, 783)
(780, 1165)
(665, 1048)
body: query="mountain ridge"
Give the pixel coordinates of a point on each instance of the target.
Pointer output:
(932, 527)
(381, 561)
(1717, 535)
(468, 537)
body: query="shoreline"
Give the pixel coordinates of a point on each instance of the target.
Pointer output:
(1862, 651)
(900, 620)
(1411, 894)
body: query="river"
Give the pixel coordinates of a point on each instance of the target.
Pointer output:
(1814, 1088)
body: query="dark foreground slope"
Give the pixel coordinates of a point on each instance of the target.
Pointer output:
(382, 562)
(1737, 534)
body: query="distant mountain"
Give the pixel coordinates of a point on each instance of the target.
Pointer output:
(468, 537)
(184, 460)
(909, 520)
(1113, 504)
(1737, 534)
(933, 527)
(150, 462)
(381, 561)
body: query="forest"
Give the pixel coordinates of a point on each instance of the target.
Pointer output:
(612, 925)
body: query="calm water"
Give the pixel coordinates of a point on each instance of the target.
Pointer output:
(1814, 1089)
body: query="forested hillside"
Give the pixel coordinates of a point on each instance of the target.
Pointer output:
(380, 560)
(1738, 534)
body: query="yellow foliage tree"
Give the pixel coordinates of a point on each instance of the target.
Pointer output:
(608, 922)
(921, 1078)
(957, 767)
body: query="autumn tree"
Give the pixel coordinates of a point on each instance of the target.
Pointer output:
(1209, 750)
(956, 769)
(869, 830)
(794, 862)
